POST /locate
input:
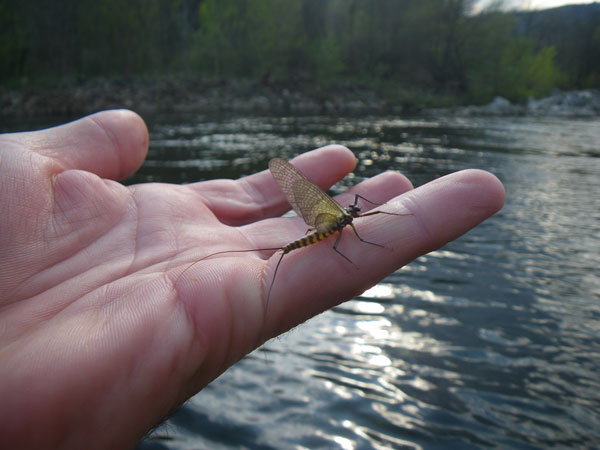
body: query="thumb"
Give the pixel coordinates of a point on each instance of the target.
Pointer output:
(111, 144)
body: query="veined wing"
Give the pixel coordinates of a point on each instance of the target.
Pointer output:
(307, 199)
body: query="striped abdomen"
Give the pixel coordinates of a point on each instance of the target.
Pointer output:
(310, 239)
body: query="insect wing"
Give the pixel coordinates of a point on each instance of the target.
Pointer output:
(308, 200)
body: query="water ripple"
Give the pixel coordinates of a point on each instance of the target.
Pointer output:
(492, 341)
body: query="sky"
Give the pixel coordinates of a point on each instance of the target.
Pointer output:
(538, 4)
(542, 4)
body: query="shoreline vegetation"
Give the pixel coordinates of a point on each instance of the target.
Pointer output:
(296, 57)
(178, 96)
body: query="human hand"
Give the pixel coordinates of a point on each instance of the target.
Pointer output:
(106, 325)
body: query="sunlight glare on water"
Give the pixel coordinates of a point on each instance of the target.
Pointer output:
(492, 341)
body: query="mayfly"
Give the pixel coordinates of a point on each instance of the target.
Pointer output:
(322, 213)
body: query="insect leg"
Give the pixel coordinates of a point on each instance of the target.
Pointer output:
(370, 213)
(340, 253)
(361, 239)
(355, 206)
(356, 197)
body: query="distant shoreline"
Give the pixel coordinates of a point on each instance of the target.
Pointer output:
(188, 96)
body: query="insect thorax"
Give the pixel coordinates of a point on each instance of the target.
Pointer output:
(353, 210)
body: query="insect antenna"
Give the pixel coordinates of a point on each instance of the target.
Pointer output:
(272, 283)
(223, 252)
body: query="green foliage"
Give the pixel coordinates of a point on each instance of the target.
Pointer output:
(247, 38)
(541, 74)
(592, 77)
(325, 56)
(88, 38)
(126, 38)
(571, 30)
(525, 73)
(518, 73)
(13, 40)
(421, 45)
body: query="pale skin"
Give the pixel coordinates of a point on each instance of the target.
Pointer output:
(101, 336)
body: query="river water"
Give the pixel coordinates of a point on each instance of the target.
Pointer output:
(491, 341)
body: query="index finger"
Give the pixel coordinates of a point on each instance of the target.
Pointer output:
(257, 196)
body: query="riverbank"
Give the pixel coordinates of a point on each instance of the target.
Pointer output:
(189, 96)
(185, 96)
(583, 103)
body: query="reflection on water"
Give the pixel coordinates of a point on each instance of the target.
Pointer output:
(492, 341)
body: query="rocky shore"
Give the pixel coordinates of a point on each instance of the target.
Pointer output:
(584, 103)
(178, 96)
(188, 96)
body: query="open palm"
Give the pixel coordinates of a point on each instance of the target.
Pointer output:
(107, 323)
